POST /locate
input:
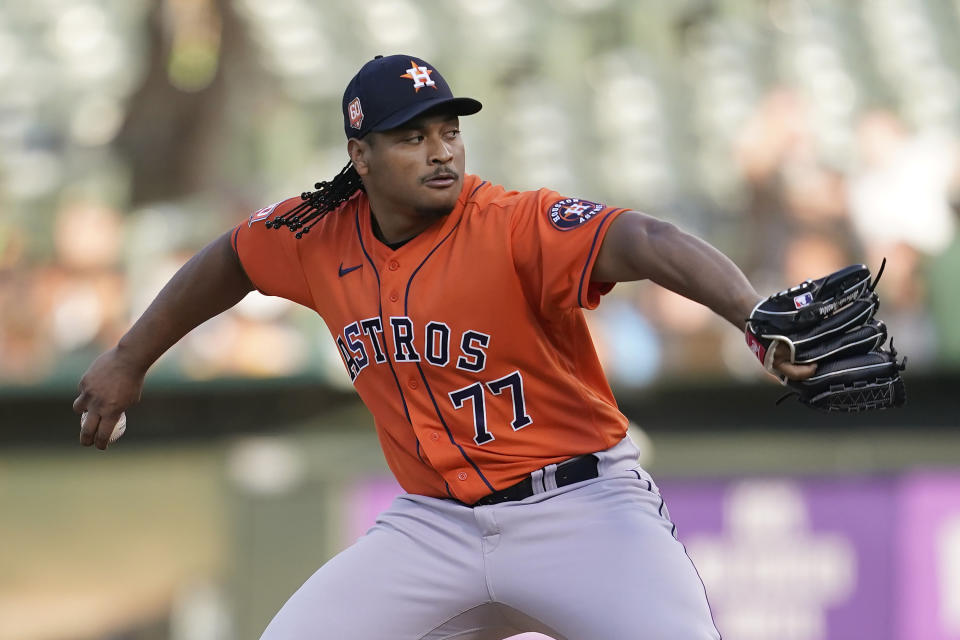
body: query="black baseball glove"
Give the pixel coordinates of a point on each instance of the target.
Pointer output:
(830, 322)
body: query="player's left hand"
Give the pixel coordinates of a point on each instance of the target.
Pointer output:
(784, 368)
(829, 322)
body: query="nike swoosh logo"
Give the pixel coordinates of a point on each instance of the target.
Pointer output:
(344, 272)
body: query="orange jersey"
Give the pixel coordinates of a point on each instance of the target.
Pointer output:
(468, 343)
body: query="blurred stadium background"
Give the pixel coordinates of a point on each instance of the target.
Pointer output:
(796, 135)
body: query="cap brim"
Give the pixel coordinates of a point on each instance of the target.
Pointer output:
(456, 106)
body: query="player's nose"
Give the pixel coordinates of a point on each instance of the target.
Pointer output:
(439, 151)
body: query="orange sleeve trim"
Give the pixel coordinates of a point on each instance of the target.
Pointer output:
(594, 248)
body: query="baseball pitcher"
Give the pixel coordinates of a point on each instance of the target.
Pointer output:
(457, 307)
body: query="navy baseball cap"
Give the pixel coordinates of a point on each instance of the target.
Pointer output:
(391, 90)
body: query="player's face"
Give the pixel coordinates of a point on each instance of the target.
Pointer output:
(415, 169)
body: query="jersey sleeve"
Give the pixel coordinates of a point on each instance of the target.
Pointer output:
(270, 257)
(555, 242)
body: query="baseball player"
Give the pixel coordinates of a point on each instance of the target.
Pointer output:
(457, 308)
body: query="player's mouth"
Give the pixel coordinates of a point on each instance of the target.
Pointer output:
(441, 180)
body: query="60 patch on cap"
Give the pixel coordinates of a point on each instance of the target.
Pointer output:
(355, 113)
(570, 213)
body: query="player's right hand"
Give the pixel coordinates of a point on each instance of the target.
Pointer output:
(107, 389)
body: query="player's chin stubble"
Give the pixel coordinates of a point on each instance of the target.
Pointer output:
(435, 212)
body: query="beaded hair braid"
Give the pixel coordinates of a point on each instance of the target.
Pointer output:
(328, 196)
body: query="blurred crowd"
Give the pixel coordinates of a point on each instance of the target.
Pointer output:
(797, 136)
(804, 218)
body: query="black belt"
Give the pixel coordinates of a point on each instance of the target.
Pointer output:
(568, 472)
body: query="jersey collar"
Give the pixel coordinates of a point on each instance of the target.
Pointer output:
(421, 244)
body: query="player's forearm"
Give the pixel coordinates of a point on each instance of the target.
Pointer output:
(208, 284)
(639, 247)
(696, 270)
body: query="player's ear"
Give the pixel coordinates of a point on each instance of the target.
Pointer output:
(359, 151)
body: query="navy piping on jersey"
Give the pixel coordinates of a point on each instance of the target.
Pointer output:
(477, 189)
(593, 246)
(380, 312)
(236, 250)
(406, 300)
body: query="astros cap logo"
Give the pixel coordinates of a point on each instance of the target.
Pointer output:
(420, 76)
(355, 113)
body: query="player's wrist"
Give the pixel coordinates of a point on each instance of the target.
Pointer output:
(748, 304)
(740, 310)
(131, 356)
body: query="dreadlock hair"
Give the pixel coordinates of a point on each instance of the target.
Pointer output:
(328, 196)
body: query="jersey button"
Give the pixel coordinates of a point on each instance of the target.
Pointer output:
(434, 436)
(413, 383)
(462, 476)
(394, 296)
(394, 265)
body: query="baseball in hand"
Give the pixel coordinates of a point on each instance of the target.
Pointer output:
(118, 429)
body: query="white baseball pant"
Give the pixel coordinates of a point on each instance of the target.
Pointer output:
(596, 560)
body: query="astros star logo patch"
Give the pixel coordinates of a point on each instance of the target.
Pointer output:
(420, 76)
(570, 213)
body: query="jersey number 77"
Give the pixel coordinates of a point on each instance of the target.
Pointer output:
(476, 393)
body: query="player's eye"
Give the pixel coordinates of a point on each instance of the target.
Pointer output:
(453, 133)
(414, 139)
